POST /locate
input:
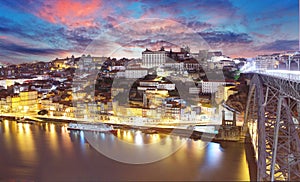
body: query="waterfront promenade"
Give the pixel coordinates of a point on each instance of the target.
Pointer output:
(206, 130)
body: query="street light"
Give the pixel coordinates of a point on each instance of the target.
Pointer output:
(289, 63)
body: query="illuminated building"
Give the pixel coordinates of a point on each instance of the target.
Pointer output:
(3, 105)
(59, 63)
(135, 72)
(212, 86)
(86, 63)
(13, 103)
(28, 100)
(152, 59)
(264, 62)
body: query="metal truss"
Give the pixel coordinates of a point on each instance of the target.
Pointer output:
(287, 87)
(273, 104)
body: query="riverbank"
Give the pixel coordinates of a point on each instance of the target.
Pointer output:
(223, 134)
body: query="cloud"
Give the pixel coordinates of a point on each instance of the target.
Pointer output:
(153, 45)
(6, 45)
(137, 35)
(215, 7)
(198, 25)
(17, 51)
(211, 10)
(75, 39)
(280, 45)
(70, 12)
(29, 30)
(80, 38)
(217, 37)
(8, 26)
(75, 24)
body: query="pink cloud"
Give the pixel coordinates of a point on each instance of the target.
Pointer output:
(3, 37)
(70, 12)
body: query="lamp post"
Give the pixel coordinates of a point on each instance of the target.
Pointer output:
(289, 63)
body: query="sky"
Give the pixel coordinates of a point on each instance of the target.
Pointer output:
(36, 30)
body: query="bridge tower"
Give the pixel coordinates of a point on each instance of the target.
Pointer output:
(272, 120)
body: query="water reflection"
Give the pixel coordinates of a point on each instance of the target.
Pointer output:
(136, 147)
(26, 148)
(6, 125)
(138, 138)
(47, 151)
(214, 154)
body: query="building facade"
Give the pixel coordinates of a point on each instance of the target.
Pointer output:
(152, 59)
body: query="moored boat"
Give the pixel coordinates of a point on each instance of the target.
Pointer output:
(150, 131)
(24, 120)
(98, 127)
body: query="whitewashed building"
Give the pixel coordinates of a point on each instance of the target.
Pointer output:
(152, 59)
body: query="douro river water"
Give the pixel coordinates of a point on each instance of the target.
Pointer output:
(49, 152)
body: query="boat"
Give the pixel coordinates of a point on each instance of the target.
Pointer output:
(150, 131)
(97, 127)
(24, 120)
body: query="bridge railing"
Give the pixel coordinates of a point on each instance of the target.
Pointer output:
(283, 74)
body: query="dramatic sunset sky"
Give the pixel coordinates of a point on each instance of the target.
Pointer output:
(32, 30)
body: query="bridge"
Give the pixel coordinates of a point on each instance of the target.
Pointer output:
(272, 119)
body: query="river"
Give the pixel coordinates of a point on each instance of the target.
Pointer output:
(49, 152)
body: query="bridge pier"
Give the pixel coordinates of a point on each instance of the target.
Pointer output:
(226, 122)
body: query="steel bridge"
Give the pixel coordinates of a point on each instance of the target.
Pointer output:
(272, 118)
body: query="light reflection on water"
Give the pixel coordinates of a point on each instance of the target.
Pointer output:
(136, 147)
(26, 148)
(47, 151)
